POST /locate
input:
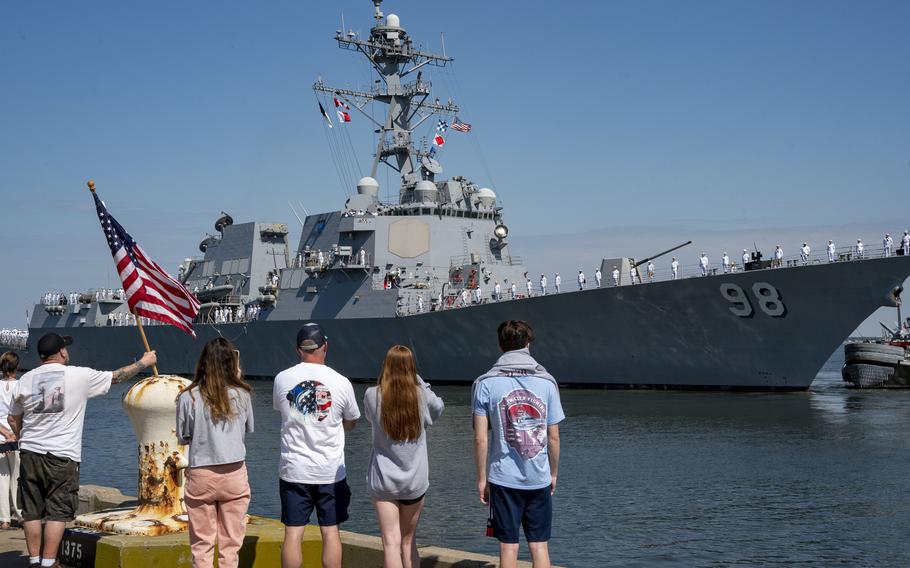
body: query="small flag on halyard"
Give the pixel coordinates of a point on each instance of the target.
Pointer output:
(150, 291)
(461, 126)
(341, 104)
(343, 116)
(440, 130)
(325, 115)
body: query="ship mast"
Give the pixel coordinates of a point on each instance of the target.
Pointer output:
(392, 54)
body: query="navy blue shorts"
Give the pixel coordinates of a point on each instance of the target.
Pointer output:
(530, 509)
(298, 500)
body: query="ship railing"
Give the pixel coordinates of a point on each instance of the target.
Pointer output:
(486, 258)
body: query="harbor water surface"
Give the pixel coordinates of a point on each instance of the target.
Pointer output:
(647, 478)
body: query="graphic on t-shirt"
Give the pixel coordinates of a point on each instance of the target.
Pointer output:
(524, 422)
(312, 399)
(49, 390)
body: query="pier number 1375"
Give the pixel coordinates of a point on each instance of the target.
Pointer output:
(766, 295)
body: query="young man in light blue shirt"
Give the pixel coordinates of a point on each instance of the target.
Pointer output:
(517, 404)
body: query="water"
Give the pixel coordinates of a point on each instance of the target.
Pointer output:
(647, 478)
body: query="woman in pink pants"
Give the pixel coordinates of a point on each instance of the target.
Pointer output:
(213, 415)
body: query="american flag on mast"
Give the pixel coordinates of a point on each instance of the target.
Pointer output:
(150, 291)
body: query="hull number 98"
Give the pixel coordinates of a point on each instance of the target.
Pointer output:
(766, 296)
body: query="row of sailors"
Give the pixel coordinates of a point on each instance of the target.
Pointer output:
(322, 259)
(235, 315)
(13, 338)
(127, 318)
(61, 299)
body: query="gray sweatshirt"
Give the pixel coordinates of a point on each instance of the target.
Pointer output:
(399, 470)
(213, 443)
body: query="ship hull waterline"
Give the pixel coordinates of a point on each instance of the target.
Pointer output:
(673, 334)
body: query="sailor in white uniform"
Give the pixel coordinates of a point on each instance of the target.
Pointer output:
(464, 297)
(615, 276)
(725, 259)
(598, 277)
(478, 295)
(497, 292)
(530, 287)
(420, 303)
(746, 257)
(887, 243)
(804, 253)
(703, 262)
(557, 281)
(674, 267)
(831, 249)
(320, 258)
(581, 280)
(860, 249)
(363, 257)
(543, 285)
(905, 243)
(513, 290)
(778, 256)
(632, 274)
(651, 271)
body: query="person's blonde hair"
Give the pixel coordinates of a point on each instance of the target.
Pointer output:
(9, 363)
(399, 394)
(217, 370)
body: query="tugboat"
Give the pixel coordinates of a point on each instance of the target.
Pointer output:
(884, 363)
(428, 263)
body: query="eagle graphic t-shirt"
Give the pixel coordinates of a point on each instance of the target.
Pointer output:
(313, 400)
(519, 410)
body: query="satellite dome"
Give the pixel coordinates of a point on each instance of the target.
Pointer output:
(368, 186)
(486, 196)
(392, 21)
(425, 190)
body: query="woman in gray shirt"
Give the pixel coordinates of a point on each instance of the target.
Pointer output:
(213, 415)
(399, 410)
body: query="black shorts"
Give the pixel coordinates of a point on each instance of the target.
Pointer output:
(410, 501)
(48, 487)
(298, 500)
(531, 509)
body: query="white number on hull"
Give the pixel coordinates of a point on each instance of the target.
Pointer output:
(766, 295)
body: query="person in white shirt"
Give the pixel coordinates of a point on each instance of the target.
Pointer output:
(530, 287)
(362, 257)
(598, 277)
(674, 268)
(420, 304)
(557, 281)
(464, 297)
(513, 290)
(860, 249)
(905, 243)
(804, 253)
(9, 460)
(650, 271)
(632, 274)
(725, 260)
(581, 280)
(478, 295)
(497, 292)
(703, 263)
(543, 285)
(317, 407)
(887, 243)
(320, 258)
(46, 416)
(615, 276)
(778, 256)
(831, 249)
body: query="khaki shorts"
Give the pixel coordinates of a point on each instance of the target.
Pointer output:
(48, 487)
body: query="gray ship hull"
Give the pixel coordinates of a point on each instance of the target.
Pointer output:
(674, 334)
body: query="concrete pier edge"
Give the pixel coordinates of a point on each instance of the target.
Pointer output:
(262, 545)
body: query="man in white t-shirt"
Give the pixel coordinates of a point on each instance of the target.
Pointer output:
(317, 407)
(46, 415)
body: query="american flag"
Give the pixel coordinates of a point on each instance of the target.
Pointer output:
(150, 291)
(461, 126)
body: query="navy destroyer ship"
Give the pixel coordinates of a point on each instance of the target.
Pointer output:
(423, 269)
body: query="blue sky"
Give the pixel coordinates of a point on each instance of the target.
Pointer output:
(705, 116)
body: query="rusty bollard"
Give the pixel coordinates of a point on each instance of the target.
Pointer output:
(151, 405)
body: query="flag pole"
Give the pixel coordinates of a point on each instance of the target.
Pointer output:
(91, 187)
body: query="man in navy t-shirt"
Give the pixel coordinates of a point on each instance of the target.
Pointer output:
(517, 402)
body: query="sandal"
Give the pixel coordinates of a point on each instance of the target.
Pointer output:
(5, 526)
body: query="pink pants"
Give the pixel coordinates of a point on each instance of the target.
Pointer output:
(216, 500)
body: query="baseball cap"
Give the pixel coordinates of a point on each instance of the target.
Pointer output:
(311, 337)
(52, 343)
